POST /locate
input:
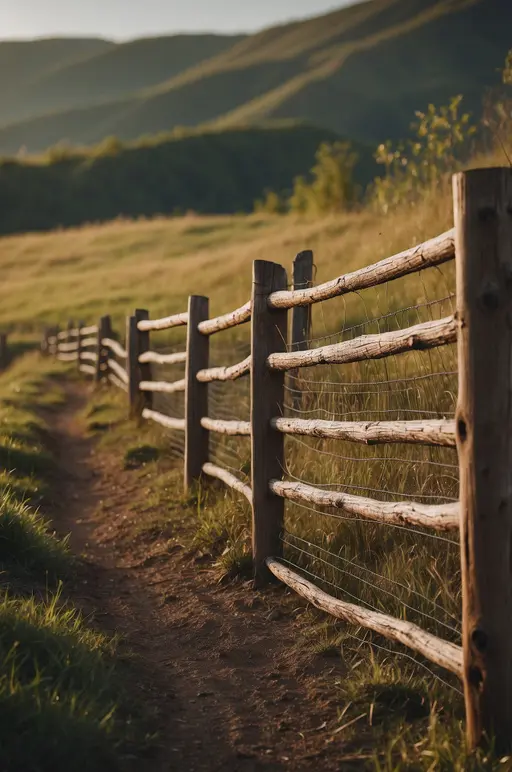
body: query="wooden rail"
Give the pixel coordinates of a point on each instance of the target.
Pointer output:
(68, 357)
(224, 322)
(228, 479)
(163, 386)
(88, 342)
(418, 337)
(433, 252)
(118, 371)
(231, 373)
(164, 420)
(424, 432)
(153, 357)
(88, 369)
(440, 517)
(233, 428)
(443, 653)
(92, 330)
(66, 347)
(166, 323)
(115, 347)
(117, 382)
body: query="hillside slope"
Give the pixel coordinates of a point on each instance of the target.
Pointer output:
(359, 71)
(210, 172)
(108, 72)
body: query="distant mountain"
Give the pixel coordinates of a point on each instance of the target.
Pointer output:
(96, 71)
(360, 71)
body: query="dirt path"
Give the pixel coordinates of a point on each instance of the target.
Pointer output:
(215, 664)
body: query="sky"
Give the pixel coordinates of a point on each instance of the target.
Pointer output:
(124, 19)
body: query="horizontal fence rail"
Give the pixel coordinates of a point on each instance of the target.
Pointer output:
(443, 653)
(228, 479)
(424, 432)
(153, 357)
(433, 252)
(164, 420)
(231, 373)
(441, 517)
(166, 323)
(115, 347)
(118, 371)
(233, 428)
(162, 386)
(416, 338)
(239, 316)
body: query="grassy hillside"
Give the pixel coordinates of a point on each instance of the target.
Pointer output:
(103, 72)
(359, 71)
(213, 172)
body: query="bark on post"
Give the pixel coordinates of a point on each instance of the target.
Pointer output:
(196, 393)
(104, 331)
(483, 220)
(301, 317)
(144, 369)
(268, 335)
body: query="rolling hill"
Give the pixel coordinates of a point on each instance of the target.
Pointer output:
(207, 172)
(360, 71)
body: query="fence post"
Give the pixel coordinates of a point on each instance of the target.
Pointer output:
(483, 222)
(4, 354)
(79, 344)
(268, 335)
(45, 345)
(104, 331)
(137, 342)
(71, 325)
(196, 393)
(301, 315)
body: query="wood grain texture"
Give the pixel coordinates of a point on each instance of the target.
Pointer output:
(231, 373)
(483, 220)
(439, 517)
(422, 432)
(416, 338)
(177, 320)
(433, 252)
(268, 336)
(232, 319)
(233, 428)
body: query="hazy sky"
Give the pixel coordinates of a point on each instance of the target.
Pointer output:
(122, 19)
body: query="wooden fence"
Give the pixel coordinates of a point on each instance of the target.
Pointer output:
(482, 430)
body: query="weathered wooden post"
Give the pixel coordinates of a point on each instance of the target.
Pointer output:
(268, 336)
(196, 393)
(104, 331)
(483, 222)
(69, 331)
(137, 342)
(300, 332)
(4, 354)
(79, 344)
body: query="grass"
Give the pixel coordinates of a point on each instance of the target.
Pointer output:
(58, 691)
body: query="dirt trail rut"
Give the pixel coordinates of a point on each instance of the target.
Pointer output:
(214, 664)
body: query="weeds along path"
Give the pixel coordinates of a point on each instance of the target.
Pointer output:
(216, 667)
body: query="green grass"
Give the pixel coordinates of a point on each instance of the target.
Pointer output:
(58, 689)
